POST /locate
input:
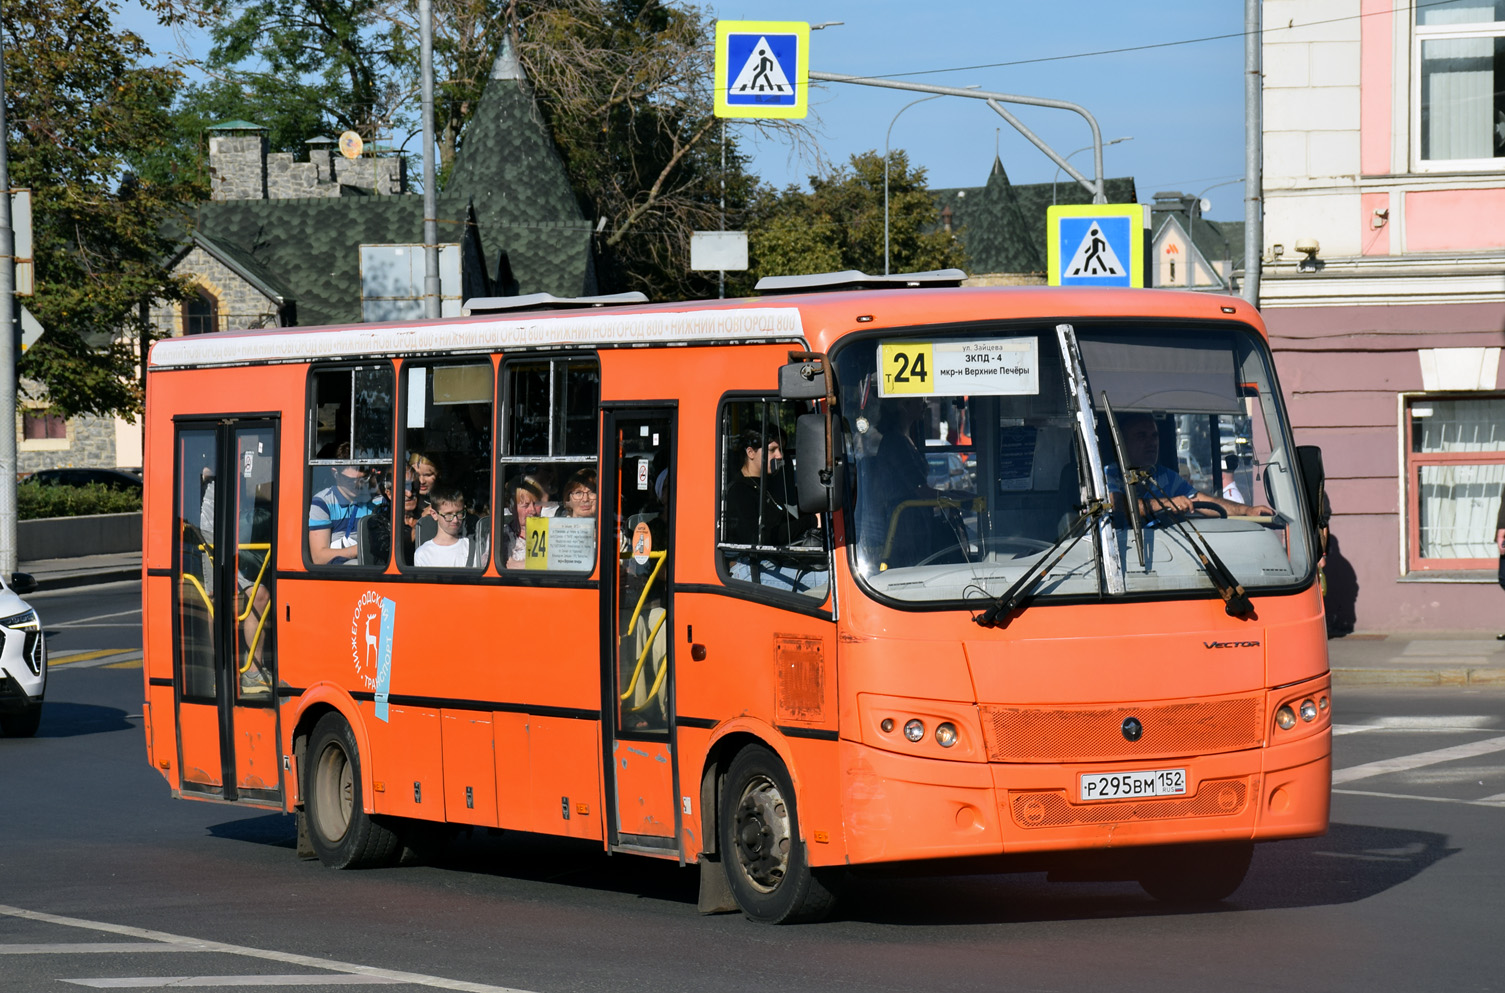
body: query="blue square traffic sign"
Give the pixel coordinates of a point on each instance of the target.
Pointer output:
(765, 69)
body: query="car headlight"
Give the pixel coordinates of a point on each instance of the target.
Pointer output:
(25, 619)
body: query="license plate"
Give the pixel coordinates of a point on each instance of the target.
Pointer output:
(1129, 785)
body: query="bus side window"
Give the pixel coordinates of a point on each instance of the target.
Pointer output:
(764, 539)
(446, 444)
(349, 460)
(547, 512)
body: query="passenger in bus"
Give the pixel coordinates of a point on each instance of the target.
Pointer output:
(908, 517)
(761, 509)
(1167, 490)
(450, 546)
(548, 482)
(426, 473)
(527, 502)
(336, 510)
(579, 494)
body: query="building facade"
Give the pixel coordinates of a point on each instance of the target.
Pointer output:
(1384, 289)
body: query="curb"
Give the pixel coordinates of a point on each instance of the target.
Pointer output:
(1418, 677)
(66, 581)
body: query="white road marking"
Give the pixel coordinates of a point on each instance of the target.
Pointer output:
(85, 621)
(1404, 763)
(80, 947)
(1451, 723)
(131, 655)
(1486, 802)
(189, 982)
(286, 958)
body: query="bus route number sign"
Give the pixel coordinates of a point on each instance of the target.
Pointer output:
(976, 367)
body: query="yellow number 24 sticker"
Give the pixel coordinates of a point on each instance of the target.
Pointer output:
(907, 367)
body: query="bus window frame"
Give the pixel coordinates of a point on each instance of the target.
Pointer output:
(501, 458)
(400, 454)
(799, 603)
(1044, 328)
(352, 570)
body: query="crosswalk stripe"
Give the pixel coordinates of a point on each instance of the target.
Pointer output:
(83, 656)
(82, 947)
(1497, 801)
(98, 660)
(189, 982)
(1405, 763)
(286, 958)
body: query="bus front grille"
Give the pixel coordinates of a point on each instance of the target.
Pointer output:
(1096, 734)
(1052, 808)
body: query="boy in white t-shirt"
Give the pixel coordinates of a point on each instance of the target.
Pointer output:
(448, 547)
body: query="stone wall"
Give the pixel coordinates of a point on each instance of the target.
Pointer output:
(237, 167)
(289, 180)
(385, 176)
(241, 305)
(240, 168)
(90, 443)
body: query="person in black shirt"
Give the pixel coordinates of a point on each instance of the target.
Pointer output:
(762, 514)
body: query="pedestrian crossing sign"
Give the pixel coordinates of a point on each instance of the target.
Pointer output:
(762, 69)
(1096, 244)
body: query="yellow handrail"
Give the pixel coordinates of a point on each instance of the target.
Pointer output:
(638, 669)
(251, 599)
(643, 597)
(977, 503)
(203, 593)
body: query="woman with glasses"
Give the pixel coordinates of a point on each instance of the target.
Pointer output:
(450, 547)
(579, 495)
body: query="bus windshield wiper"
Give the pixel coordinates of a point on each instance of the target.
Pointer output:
(1235, 600)
(1131, 476)
(1018, 595)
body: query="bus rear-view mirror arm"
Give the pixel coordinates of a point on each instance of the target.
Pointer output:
(817, 476)
(1313, 480)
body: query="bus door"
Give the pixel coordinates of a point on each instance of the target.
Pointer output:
(637, 625)
(224, 623)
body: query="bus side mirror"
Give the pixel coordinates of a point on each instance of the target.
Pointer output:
(803, 380)
(1313, 479)
(816, 479)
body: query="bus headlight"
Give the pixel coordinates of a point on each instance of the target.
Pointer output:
(1308, 711)
(914, 729)
(1285, 717)
(945, 734)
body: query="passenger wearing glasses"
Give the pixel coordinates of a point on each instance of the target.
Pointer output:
(335, 511)
(449, 548)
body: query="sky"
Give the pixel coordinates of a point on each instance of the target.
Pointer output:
(1181, 106)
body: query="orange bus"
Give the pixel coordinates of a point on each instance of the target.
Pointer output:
(856, 571)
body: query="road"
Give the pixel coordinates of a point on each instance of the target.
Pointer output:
(107, 882)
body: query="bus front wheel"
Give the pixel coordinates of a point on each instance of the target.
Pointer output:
(343, 835)
(1196, 874)
(761, 848)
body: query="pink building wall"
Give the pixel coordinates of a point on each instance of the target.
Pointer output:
(1343, 370)
(1374, 86)
(1455, 220)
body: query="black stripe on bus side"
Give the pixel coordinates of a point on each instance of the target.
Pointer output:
(816, 733)
(369, 574)
(160, 681)
(781, 602)
(160, 572)
(447, 703)
(704, 723)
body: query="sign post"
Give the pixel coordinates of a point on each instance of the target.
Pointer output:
(1100, 244)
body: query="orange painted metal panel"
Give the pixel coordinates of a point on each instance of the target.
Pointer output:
(564, 765)
(407, 762)
(198, 727)
(510, 735)
(644, 773)
(470, 779)
(258, 759)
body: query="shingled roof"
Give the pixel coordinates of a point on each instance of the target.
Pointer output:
(508, 202)
(1002, 224)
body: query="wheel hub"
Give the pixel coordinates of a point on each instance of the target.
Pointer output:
(762, 834)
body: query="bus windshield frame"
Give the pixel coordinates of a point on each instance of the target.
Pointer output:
(984, 411)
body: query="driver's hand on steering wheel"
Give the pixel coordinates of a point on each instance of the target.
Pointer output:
(1163, 505)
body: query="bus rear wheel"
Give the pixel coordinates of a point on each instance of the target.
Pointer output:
(761, 848)
(343, 835)
(1196, 874)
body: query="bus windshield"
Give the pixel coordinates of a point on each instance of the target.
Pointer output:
(967, 462)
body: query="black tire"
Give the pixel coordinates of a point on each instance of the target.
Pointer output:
(1196, 874)
(24, 724)
(343, 835)
(761, 849)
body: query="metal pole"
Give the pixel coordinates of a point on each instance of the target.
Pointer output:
(1254, 208)
(721, 273)
(7, 353)
(889, 134)
(994, 100)
(430, 196)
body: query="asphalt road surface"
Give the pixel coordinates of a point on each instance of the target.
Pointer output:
(108, 883)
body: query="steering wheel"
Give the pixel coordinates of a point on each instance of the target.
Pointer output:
(1020, 546)
(1200, 508)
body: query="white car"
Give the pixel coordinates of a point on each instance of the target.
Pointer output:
(23, 660)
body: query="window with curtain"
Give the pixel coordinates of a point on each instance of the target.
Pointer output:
(1460, 71)
(1455, 469)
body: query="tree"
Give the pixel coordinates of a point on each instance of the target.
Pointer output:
(80, 107)
(839, 223)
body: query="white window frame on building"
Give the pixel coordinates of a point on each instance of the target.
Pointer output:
(1464, 456)
(1437, 33)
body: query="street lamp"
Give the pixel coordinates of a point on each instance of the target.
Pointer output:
(1078, 152)
(886, 137)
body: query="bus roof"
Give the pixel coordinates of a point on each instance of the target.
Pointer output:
(820, 317)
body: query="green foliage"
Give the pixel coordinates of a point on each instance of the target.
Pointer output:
(839, 224)
(80, 108)
(34, 500)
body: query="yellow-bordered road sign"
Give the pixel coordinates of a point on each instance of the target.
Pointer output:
(1096, 244)
(762, 69)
